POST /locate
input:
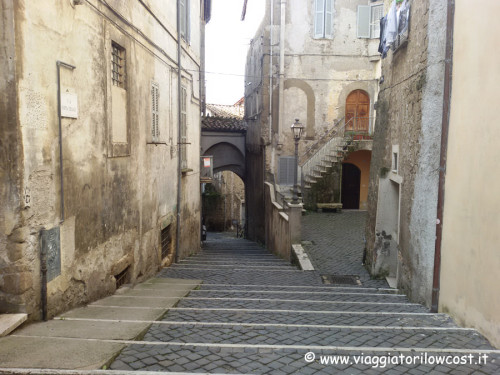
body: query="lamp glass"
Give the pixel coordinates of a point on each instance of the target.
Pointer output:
(297, 129)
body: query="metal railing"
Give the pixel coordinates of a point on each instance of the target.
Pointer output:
(356, 128)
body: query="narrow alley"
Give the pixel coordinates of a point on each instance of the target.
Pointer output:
(255, 313)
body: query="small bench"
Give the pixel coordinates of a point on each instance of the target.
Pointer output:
(337, 207)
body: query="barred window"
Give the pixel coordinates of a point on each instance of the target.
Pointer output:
(118, 65)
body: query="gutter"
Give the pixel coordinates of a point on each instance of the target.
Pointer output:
(444, 148)
(270, 121)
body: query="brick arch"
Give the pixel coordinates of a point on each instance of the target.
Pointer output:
(311, 105)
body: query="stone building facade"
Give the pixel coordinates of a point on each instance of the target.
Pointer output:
(405, 160)
(108, 185)
(304, 62)
(433, 207)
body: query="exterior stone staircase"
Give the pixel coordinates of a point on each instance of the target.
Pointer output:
(330, 149)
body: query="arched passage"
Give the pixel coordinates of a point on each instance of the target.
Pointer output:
(227, 157)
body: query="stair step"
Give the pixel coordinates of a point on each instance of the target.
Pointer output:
(9, 322)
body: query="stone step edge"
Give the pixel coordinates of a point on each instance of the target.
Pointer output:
(329, 348)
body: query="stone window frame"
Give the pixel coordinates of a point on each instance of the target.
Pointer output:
(114, 36)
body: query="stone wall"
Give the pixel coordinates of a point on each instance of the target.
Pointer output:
(119, 184)
(402, 198)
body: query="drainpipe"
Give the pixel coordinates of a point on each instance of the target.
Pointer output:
(179, 139)
(444, 147)
(270, 121)
(61, 172)
(282, 71)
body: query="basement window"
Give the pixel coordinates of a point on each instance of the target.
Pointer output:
(166, 242)
(122, 278)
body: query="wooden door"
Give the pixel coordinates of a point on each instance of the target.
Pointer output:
(357, 110)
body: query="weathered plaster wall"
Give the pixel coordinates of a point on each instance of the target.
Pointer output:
(409, 118)
(471, 222)
(114, 206)
(318, 76)
(13, 280)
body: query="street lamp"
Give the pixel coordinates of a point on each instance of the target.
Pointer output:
(297, 132)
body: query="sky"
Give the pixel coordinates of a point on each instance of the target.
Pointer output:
(227, 42)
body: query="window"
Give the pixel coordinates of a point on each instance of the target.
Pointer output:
(185, 19)
(323, 19)
(286, 170)
(118, 65)
(155, 112)
(369, 20)
(183, 144)
(395, 157)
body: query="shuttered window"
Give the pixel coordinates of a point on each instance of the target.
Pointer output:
(323, 19)
(155, 112)
(185, 19)
(369, 20)
(286, 170)
(183, 145)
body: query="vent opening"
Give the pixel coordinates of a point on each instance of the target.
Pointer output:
(341, 279)
(166, 242)
(122, 278)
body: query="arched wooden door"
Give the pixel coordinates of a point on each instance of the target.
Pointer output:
(357, 112)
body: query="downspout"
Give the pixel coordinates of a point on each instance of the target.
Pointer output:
(444, 147)
(179, 139)
(59, 116)
(270, 121)
(281, 72)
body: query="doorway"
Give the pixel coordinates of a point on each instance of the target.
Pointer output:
(351, 183)
(357, 109)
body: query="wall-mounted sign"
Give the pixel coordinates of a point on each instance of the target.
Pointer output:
(69, 105)
(51, 251)
(207, 162)
(207, 169)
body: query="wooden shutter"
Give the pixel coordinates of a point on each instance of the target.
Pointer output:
(377, 12)
(155, 112)
(364, 14)
(319, 19)
(329, 19)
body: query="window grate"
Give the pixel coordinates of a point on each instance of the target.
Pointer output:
(122, 277)
(166, 242)
(118, 65)
(341, 279)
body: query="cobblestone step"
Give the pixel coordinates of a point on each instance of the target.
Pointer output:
(311, 318)
(290, 336)
(242, 277)
(301, 296)
(241, 360)
(320, 288)
(346, 306)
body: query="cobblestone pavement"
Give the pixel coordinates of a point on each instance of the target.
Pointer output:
(257, 314)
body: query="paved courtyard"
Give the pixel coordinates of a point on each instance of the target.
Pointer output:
(335, 244)
(257, 314)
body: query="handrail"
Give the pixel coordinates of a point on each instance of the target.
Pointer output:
(332, 132)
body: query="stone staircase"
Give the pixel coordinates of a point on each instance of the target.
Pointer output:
(330, 149)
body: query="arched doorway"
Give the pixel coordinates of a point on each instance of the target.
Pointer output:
(351, 183)
(357, 112)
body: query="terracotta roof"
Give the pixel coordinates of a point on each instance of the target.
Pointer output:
(223, 124)
(222, 110)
